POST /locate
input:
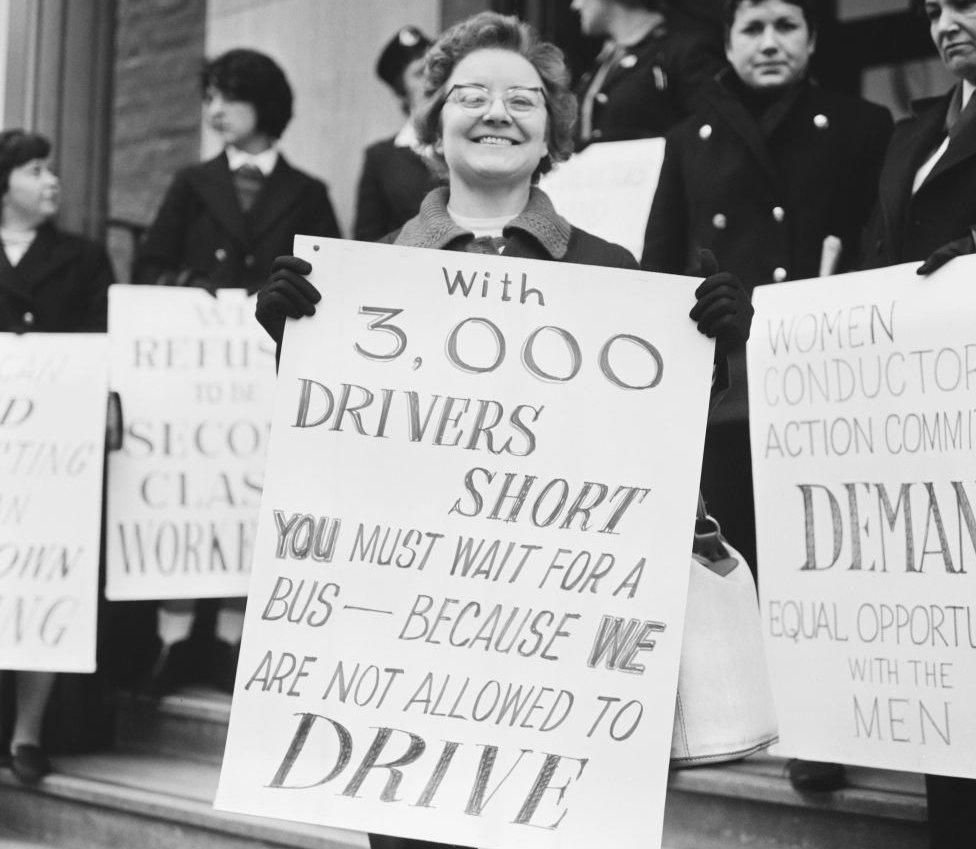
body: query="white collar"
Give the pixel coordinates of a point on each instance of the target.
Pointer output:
(967, 92)
(407, 137)
(264, 161)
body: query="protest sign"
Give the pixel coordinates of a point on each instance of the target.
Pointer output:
(53, 394)
(862, 394)
(608, 189)
(465, 617)
(196, 377)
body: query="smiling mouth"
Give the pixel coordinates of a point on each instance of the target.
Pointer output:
(496, 140)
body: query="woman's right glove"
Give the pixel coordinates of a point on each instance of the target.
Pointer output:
(287, 294)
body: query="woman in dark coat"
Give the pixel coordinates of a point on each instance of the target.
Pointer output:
(221, 224)
(497, 113)
(224, 221)
(50, 282)
(395, 176)
(777, 177)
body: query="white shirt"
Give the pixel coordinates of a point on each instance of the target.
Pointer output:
(932, 161)
(264, 161)
(16, 243)
(481, 227)
(407, 137)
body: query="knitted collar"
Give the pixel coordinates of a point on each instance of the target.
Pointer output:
(433, 227)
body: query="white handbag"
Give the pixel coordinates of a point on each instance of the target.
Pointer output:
(724, 709)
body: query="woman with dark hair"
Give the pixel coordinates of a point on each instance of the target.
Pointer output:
(648, 75)
(50, 282)
(497, 113)
(395, 175)
(777, 177)
(223, 222)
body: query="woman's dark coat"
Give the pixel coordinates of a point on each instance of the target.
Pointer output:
(60, 285)
(764, 197)
(657, 82)
(202, 230)
(393, 183)
(905, 226)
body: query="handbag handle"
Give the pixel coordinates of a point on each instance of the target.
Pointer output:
(708, 546)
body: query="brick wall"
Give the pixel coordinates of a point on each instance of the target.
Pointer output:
(159, 45)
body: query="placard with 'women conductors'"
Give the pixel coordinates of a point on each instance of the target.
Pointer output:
(466, 606)
(862, 393)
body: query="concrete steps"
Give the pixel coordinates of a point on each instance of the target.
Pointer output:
(156, 791)
(121, 799)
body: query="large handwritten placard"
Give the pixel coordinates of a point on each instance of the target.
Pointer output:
(608, 189)
(862, 392)
(196, 376)
(53, 393)
(466, 611)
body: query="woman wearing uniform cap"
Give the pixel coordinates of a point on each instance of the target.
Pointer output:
(395, 176)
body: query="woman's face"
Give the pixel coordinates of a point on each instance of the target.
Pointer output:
(33, 193)
(769, 44)
(235, 121)
(496, 144)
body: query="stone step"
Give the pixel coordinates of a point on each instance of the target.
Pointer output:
(190, 724)
(751, 803)
(744, 804)
(145, 802)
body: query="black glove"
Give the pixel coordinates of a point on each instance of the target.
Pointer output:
(723, 311)
(286, 295)
(960, 247)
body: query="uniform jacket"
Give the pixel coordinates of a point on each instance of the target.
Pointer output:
(764, 201)
(393, 183)
(656, 83)
(60, 285)
(200, 227)
(906, 227)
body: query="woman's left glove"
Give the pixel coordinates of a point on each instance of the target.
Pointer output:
(723, 311)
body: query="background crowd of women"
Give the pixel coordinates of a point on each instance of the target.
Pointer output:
(764, 172)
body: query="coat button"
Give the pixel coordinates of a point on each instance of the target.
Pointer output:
(821, 121)
(628, 61)
(249, 261)
(596, 135)
(705, 132)
(779, 214)
(220, 254)
(28, 318)
(779, 274)
(601, 97)
(719, 221)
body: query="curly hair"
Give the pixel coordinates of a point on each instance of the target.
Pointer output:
(491, 31)
(18, 147)
(254, 78)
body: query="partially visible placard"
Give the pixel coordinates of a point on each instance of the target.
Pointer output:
(608, 189)
(862, 393)
(473, 553)
(196, 377)
(53, 394)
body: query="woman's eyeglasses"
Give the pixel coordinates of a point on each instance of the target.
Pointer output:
(518, 100)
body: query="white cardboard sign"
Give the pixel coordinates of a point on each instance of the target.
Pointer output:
(425, 595)
(862, 393)
(53, 393)
(608, 189)
(196, 377)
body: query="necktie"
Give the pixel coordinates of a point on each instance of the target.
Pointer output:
(248, 181)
